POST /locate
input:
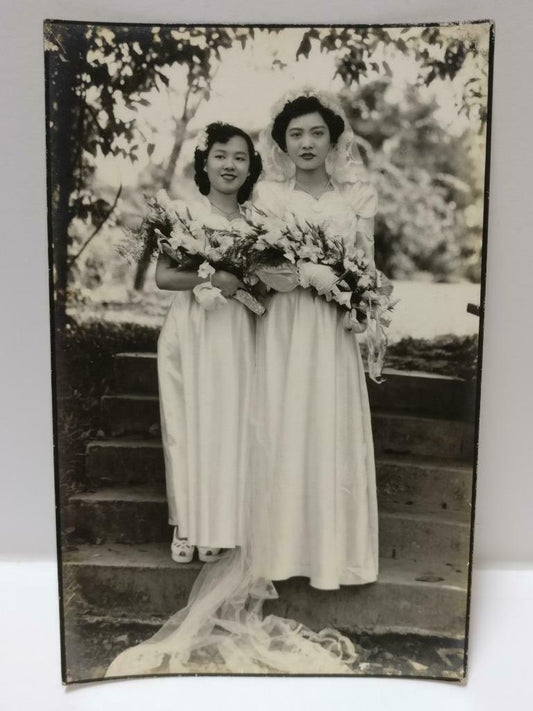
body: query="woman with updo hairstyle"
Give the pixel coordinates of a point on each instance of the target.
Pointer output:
(318, 461)
(299, 107)
(205, 360)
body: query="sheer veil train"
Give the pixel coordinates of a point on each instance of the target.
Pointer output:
(223, 629)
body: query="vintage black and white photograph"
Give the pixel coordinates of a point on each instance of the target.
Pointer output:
(267, 257)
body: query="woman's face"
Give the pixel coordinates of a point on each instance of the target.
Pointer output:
(308, 141)
(228, 165)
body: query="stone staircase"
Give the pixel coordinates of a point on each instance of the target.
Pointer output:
(117, 565)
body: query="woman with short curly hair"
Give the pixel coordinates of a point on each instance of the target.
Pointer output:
(205, 361)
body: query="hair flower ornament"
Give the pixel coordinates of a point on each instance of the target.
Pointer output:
(201, 144)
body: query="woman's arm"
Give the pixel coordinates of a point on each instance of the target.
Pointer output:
(169, 276)
(364, 238)
(364, 200)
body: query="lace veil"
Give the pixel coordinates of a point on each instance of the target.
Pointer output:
(344, 163)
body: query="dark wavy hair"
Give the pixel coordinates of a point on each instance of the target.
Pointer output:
(300, 107)
(221, 133)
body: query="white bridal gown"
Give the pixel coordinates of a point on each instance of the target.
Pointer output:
(205, 361)
(317, 462)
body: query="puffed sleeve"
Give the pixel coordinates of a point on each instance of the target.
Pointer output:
(363, 198)
(270, 197)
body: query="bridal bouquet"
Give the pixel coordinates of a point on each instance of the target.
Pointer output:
(297, 252)
(197, 240)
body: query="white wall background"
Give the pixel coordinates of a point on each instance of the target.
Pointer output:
(503, 530)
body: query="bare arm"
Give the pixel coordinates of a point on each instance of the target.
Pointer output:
(169, 276)
(365, 238)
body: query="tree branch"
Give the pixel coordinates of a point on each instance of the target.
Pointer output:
(94, 116)
(186, 103)
(97, 229)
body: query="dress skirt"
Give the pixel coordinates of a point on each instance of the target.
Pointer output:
(317, 459)
(205, 364)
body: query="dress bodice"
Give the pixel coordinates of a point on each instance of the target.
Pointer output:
(345, 209)
(201, 211)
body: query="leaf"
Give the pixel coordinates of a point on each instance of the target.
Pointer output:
(150, 149)
(430, 77)
(386, 67)
(277, 63)
(305, 47)
(401, 45)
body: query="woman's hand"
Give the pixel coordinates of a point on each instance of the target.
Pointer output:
(319, 276)
(226, 282)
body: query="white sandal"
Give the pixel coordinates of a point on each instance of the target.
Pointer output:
(208, 555)
(180, 550)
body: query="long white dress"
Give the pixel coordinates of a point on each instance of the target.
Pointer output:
(205, 361)
(317, 462)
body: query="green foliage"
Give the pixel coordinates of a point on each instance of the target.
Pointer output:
(94, 72)
(85, 352)
(428, 185)
(116, 66)
(446, 355)
(84, 372)
(439, 53)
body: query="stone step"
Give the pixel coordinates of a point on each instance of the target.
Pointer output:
(424, 486)
(405, 391)
(396, 433)
(142, 582)
(135, 373)
(421, 485)
(138, 514)
(91, 642)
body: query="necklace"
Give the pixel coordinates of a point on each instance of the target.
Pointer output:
(316, 193)
(226, 214)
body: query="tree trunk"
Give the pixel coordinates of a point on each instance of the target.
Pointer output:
(62, 114)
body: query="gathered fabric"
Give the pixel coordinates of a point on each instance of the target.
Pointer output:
(205, 368)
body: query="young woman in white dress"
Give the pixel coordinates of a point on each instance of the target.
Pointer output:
(205, 360)
(318, 460)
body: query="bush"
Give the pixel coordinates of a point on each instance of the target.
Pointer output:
(83, 373)
(446, 355)
(84, 356)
